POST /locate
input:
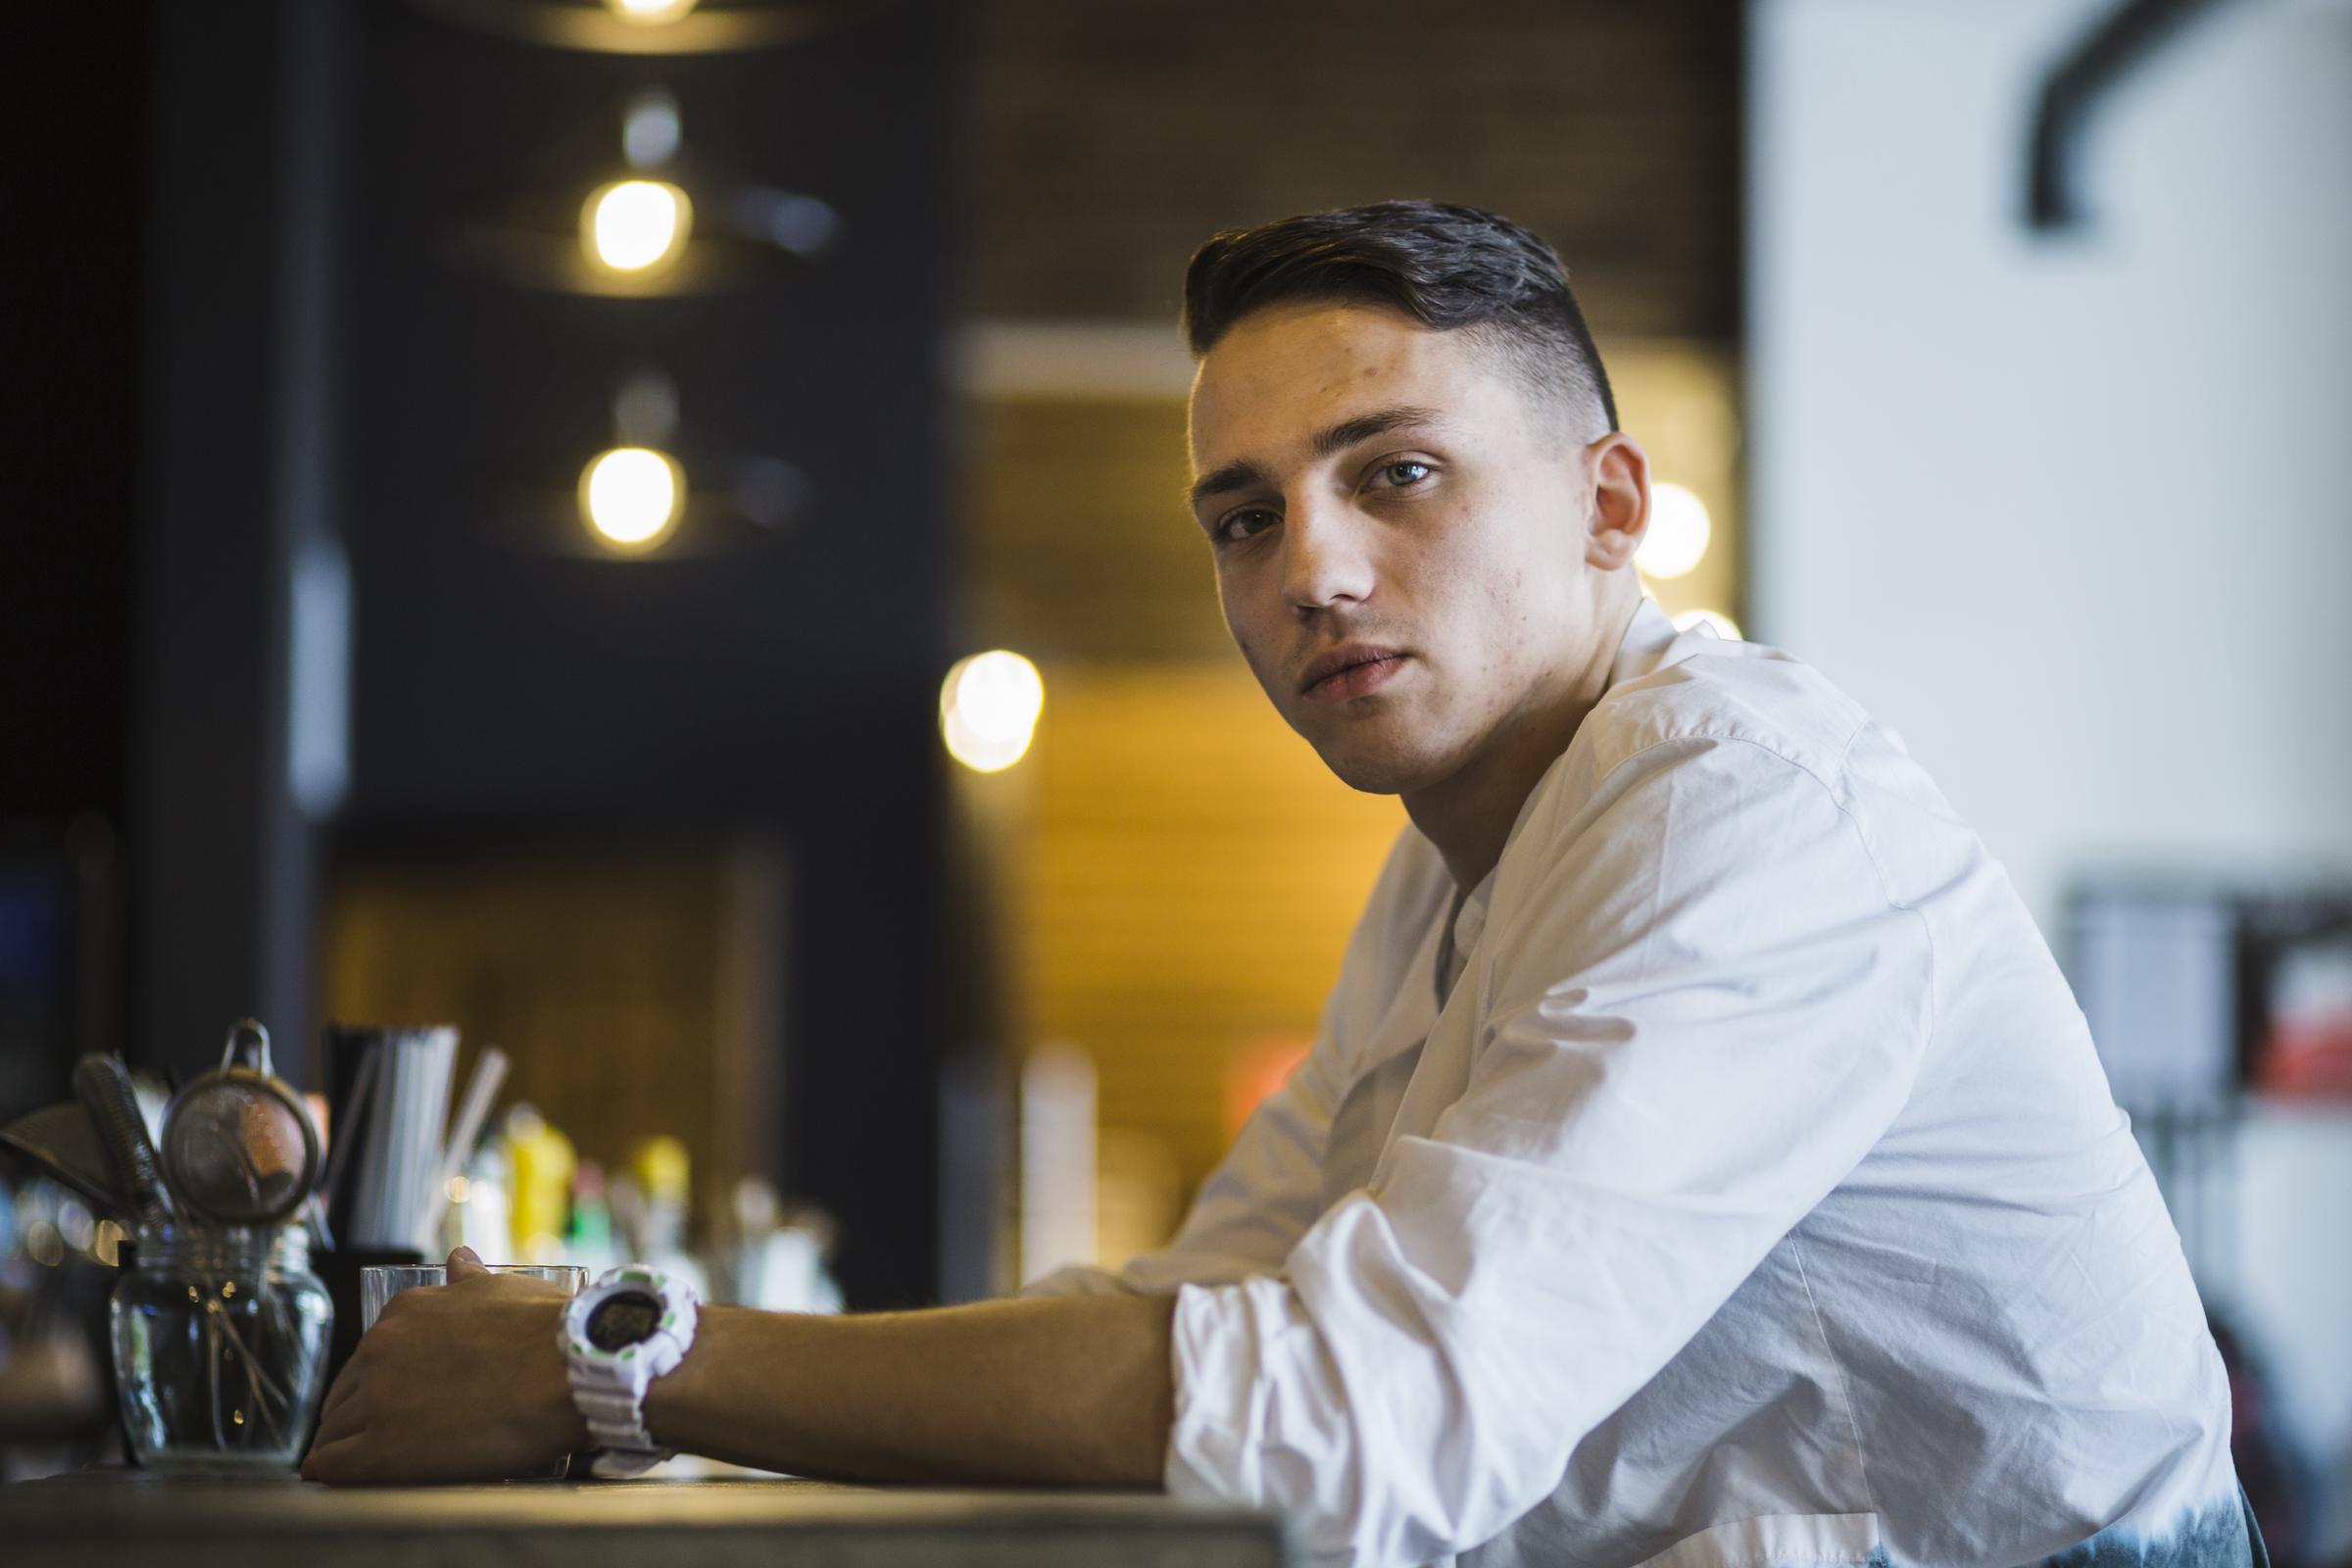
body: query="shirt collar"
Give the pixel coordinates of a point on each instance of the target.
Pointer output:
(1648, 637)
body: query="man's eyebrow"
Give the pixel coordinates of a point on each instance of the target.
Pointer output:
(1240, 473)
(1365, 426)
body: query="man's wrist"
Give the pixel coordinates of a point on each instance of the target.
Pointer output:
(681, 1405)
(558, 1415)
(669, 1396)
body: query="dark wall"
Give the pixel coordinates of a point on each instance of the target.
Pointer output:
(743, 669)
(220, 863)
(74, 104)
(69, 326)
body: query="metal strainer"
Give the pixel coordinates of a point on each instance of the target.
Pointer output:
(238, 1147)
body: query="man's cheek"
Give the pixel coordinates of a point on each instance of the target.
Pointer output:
(1235, 612)
(1255, 649)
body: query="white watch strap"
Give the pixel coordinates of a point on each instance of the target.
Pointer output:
(613, 1419)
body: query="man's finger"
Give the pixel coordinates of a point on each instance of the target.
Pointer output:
(465, 1263)
(346, 1383)
(332, 1462)
(337, 1423)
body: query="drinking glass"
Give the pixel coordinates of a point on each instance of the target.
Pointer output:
(380, 1282)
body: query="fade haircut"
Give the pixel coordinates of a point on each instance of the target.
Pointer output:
(1451, 268)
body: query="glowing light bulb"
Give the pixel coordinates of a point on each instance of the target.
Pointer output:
(632, 495)
(649, 12)
(1725, 625)
(988, 710)
(1678, 535)
(636, 224)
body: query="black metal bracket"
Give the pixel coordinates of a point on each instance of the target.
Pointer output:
(2082, 76)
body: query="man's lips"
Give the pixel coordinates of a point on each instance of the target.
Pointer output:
(1349, 670)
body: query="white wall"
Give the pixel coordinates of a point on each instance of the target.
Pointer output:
(2075, 514)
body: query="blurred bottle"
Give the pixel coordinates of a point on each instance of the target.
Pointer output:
(589, 1242)
(663, 1172)
(1058, 1172)
(541, 1161)
(779, 1261)
(483, 1218)
(626, 1200)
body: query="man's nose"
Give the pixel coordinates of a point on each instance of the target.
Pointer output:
(1326, 556)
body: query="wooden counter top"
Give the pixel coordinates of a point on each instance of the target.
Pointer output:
(124, 1517)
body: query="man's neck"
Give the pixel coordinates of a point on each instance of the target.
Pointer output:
(1469, 815)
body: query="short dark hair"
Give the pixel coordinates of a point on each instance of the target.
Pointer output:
(1450, 267)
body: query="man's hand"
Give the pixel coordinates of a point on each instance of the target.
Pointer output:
(460, 1381)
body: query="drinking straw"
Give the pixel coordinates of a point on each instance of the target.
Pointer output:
(481, 1088)
(403, 1087)
(400, 1178)
(437, 1067)
(380, 1169)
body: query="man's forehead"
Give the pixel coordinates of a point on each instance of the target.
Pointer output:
(1314, 349)
(1285, 374)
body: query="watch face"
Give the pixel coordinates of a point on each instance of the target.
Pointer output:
(624, 1319)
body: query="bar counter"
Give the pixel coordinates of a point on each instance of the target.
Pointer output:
(128, 1516)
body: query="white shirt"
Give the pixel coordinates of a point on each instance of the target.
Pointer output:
(1755, 1197)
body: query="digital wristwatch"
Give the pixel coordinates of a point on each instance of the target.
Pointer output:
(633, 1325)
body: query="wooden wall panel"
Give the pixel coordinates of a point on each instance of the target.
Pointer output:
(634, 990)
(1107, 141)
(1079, 544)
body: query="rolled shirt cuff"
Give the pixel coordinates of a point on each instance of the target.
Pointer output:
(1244, 1356)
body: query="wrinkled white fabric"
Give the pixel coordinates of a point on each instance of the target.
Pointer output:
(1755, 1196)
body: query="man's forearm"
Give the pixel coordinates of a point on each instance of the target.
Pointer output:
(1054, 1391)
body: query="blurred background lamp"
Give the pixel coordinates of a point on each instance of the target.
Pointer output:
(652, 12)
(1679, 533)
(988, 710)
(635, 224)
(1725, 625)
(632, 495)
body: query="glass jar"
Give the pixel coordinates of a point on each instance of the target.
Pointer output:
(220, 1337)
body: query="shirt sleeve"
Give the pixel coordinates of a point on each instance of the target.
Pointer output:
(1698, 1015)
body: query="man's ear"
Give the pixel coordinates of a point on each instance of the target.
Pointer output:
(1620, 471)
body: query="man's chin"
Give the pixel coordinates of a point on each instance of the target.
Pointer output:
(1376, 745)
(1373, 769)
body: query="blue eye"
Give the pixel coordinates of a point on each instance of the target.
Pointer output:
(1403, 471)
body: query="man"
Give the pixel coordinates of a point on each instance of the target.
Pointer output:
(1702, 1160)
